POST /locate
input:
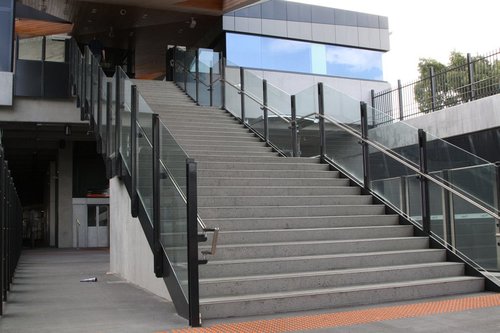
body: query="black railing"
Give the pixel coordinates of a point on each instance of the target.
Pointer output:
(409, 170)
(11, 229)
(473, 78)
(138, 147)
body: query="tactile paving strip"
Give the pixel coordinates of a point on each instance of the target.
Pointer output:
(338, 319)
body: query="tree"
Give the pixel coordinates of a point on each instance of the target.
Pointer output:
(452, 83)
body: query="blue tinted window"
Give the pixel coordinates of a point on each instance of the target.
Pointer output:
(296, 56)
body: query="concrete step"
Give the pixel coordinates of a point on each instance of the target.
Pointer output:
(288, 211)
(262, 166)
(198, 153)
(253, 159)
(307, 222)
(237, 200)
(259, 284)
(278, 265)
(224, 181)
(263, 173)
(260, 304)
(278, 190)
(230, 137)
(213, 146)
(311, 248)
(315, 234)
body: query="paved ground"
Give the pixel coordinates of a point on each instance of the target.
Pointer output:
(47, 296)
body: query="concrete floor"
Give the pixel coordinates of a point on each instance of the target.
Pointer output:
(47, 296)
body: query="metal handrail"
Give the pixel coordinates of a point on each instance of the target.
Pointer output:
(410, 166)
(262, 106)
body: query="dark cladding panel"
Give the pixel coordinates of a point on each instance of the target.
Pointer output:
(383, 22)
(368, 21)
(250, 12)
(346, 17)
(274, 10)
(298, 12)
(6, 34)
(323, 15)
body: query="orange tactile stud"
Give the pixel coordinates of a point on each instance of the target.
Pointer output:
(348, 318)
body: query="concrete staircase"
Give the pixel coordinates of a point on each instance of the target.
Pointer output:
(294, 235)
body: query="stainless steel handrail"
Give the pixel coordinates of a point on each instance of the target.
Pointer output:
(277, 113)
(410, 166)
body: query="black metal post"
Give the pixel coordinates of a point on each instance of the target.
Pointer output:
(400, 100)
(372, 97)
(424, 185)
(118, 124)
(321, 109)
(472, 81)
(242, 93)
(197, 78)
(42, 81)
(265, 111)
(90, 109)
(211, 86)
(448, 214)
(158, 258)
(83, 88)
(222, 71)
(107, 145)
(294, 127)
(134, 197)
(192, 232)
(403, 194)
(365, 147)
(433, 89)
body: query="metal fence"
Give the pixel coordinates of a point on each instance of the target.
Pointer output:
(473, 78)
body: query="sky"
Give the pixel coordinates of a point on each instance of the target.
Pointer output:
(428, 29)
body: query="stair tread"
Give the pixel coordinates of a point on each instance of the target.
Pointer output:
(309, 242)
(311, 292)
(326, 272)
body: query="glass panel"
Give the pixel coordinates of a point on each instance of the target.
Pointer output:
(278, 100)
(253, 104)
(342, 108)
(398, 137)
(88, 71)
(414, 199)
(179, 56)
(437, 197)
(30, 48)
(174, 230)
(104, 112)
(91, 220)
(173, 157)
(205, 65)
(190, 65)
(306, 102)
(145, 118)
(103, 216)
(125, 116)
(304, 57)
(475, 234)
(344, 149)
(95, 88)
(233, 98)
(145, 167)
(55, 49)
(280, 134)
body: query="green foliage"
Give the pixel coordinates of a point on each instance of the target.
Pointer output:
(452, 83)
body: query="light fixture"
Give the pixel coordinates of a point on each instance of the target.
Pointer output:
(192, 24)
(67, 130)
(123, 12)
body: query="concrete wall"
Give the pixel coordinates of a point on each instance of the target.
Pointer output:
(293, 83)
(471, 117)
(41, 110)
(6, 88)
(65, 196)
(130, 254)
